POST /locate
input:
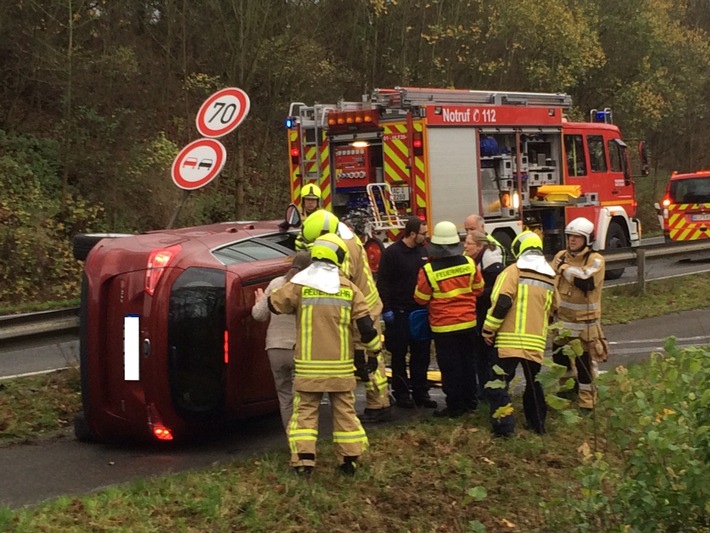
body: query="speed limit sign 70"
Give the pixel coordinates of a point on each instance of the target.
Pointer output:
(222, 112)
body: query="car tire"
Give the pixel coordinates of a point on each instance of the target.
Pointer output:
(82, 431)
(615, 238)
(82, 243)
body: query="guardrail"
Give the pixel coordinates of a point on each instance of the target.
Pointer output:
(33, 325)
(639, 257)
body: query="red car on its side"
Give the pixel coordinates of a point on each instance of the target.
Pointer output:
(168, 347)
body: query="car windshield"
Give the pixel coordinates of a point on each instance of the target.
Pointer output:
(690, 190)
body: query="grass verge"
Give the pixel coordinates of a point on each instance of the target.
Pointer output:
(38, 406)
(426, 475)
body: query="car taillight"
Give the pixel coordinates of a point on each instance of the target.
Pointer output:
(159, 430)
(226, 347)
(157, 262)
(295, 156)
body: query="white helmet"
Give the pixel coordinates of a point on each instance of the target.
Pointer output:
(582, 227)
(445, 233)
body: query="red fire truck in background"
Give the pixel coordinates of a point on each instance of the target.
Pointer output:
(443, 154)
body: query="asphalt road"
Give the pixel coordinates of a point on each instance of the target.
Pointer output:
(47, 469)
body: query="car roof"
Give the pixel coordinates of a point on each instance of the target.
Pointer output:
(690, 175)
(210, 236)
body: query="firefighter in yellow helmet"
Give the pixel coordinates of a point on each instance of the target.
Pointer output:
(357, 270)
(326, 305)
(580, 277)
(523, 300)
(311, 196)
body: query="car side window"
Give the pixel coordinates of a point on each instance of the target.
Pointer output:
(249, 250)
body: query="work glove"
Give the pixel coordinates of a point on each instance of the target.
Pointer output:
(361, 366)
(372, 363)
(388, 317)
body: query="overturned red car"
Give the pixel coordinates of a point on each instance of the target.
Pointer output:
(168, 347)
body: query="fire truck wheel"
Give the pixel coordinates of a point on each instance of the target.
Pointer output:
(374, 249)
(615, 238)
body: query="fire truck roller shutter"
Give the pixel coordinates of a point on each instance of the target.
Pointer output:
(453, 173)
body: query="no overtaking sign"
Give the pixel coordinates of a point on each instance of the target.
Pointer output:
(198, 163)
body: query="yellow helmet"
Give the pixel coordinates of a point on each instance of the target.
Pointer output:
(318, 223)
(526, 240)
(329, 247)
(311, 190)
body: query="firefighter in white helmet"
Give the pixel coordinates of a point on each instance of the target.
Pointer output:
(579, 280)
(326, 305)
(311, 196)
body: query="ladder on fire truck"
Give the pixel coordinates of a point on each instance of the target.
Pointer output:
(385, 214)
(313, 120)
(415, 96)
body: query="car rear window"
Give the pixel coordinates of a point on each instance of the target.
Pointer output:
(268, 247)
(196, 325)
(690, 190)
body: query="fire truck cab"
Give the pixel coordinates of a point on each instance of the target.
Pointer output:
(443, 154)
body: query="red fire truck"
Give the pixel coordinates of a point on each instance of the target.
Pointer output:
(443, 154)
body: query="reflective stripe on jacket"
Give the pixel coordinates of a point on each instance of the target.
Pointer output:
(324, 340)
(449, 286)
(522, 332)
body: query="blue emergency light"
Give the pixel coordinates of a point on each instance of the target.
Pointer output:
(604, 115)
(290, 122)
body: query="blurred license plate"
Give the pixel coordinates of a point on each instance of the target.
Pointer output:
(400, 194)
(703, 217)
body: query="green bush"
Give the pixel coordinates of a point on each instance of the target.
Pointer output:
(656, 416)
(36, 261)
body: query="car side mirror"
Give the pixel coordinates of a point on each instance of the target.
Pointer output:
(293, 217)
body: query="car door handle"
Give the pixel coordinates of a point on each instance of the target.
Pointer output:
(614, 192)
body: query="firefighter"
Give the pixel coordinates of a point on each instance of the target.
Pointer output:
(580, 277)
(310, 199)
(522, 302)
(357, 269)
(326, 304)
(449, 285)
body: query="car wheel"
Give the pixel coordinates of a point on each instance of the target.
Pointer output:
(374, 249)
(615, 238)
(82, 432)
(82, 243)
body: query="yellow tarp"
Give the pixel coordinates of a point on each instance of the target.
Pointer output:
(559, 193)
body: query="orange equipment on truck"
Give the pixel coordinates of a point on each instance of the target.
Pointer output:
(443, 154)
